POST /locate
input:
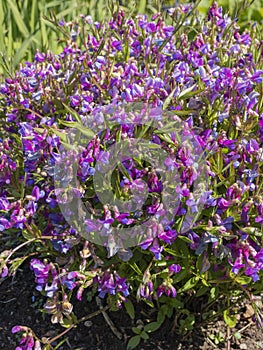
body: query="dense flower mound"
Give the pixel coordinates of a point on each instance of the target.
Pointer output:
(207, 78)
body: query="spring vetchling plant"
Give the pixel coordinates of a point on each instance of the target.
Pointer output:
(204, 76)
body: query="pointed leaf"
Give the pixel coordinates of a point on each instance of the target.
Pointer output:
(229, 320)
(133, 342)
(129, 308)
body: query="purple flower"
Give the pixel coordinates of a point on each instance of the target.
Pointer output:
(156, 249)
(168, 235)
(252, 146)
(16, 329)
(166, 288)
(42, 272)
(214, 11)
(40, 57)
(175, 268)
(4, 204)
(223, 203)
(4, 224)
(111, 283)
(27, 341)
(146, 290)
(117, 44)
(4, 272)
(195, 239)
(75, 101)
(151, 27)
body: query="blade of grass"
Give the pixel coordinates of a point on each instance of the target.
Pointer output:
(54, 4)
(142, 6)
(33, 16)
(10, 42)
(18, 18)
(67, 11)
(20, 54)
(43, 28)
(2, 28)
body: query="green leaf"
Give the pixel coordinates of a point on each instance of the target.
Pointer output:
(169, 99)
(229, 320)
(243, 280)
(15, 264)
(189, 284)
(171, 251)
(150, 145)
(181, 245)
(180, 275)
(135, 267)
(162, 313)
(2, 28)
(46, 347)
(165, 138)
(129, 308)
(213, 293)
(133, 342)
(151, 327)
(189, 322)
(144, 335)
(189, 92)
(136, 330)
(33, 15)
(149, 302)
(201, 291)
(162, 263)
(27, 235)
(72, 112)
(184, 112)
(177, 304)
(169, 127)
(60, 134)
(84, 130)
(66, 323)
(185, 239)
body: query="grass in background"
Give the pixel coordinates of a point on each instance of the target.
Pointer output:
(24, 29)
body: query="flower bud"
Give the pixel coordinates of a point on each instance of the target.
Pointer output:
(50, 307)
(67, 307)
(57, 318)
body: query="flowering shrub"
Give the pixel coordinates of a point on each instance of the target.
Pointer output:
(191, 89)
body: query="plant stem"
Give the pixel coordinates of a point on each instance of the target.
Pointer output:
(93, 314)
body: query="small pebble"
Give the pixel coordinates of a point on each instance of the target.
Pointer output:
(88, 324)
(243, 346)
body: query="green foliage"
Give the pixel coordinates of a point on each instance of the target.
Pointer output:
(229, 319)
(129, 308)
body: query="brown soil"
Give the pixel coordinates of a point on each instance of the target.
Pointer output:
(20, 303)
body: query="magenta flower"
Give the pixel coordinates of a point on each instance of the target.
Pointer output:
(27, 341)
(166, 288)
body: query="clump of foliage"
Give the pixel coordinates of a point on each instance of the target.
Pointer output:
(204, 76)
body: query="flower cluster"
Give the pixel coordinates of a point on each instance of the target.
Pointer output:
(27, 341)
(209, 81)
